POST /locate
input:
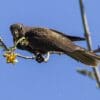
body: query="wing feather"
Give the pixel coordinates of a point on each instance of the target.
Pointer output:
(51, 40)
(72, 38)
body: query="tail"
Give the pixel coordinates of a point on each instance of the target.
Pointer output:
(86, 57)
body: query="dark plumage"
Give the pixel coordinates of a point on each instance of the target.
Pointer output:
(44, 40)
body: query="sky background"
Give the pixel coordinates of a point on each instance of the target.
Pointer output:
(57, 79)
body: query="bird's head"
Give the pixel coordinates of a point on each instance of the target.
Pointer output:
(17, 30)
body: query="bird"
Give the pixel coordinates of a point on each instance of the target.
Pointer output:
(41, 41)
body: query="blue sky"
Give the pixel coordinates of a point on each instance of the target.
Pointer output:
(57, 79)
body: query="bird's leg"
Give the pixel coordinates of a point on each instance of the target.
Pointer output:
(40, 58)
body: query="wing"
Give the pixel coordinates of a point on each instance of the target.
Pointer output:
(50, 40)
(72, 38)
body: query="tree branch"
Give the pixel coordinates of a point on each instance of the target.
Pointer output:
(88, 39)
(86, 73)
(2, 44)
(97, 50)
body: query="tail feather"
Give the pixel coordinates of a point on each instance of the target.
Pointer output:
(85, 57)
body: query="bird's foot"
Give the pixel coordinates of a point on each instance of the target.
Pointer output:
(40, 58)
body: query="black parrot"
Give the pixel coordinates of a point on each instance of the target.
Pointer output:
(41, 41)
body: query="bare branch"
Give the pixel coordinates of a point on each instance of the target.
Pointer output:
(34, 57)
(85, 72)
(97, 50)
(25, 57)
(3, 44)
(88, 38)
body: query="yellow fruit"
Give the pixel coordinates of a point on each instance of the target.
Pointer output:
(10, 57)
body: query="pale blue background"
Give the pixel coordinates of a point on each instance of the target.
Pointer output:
(57, 79)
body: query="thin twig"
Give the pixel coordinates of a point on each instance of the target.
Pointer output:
(97, 50)
(34, 57)
(3, 44)
(88, 38)
(85, 72)
(26, 57)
